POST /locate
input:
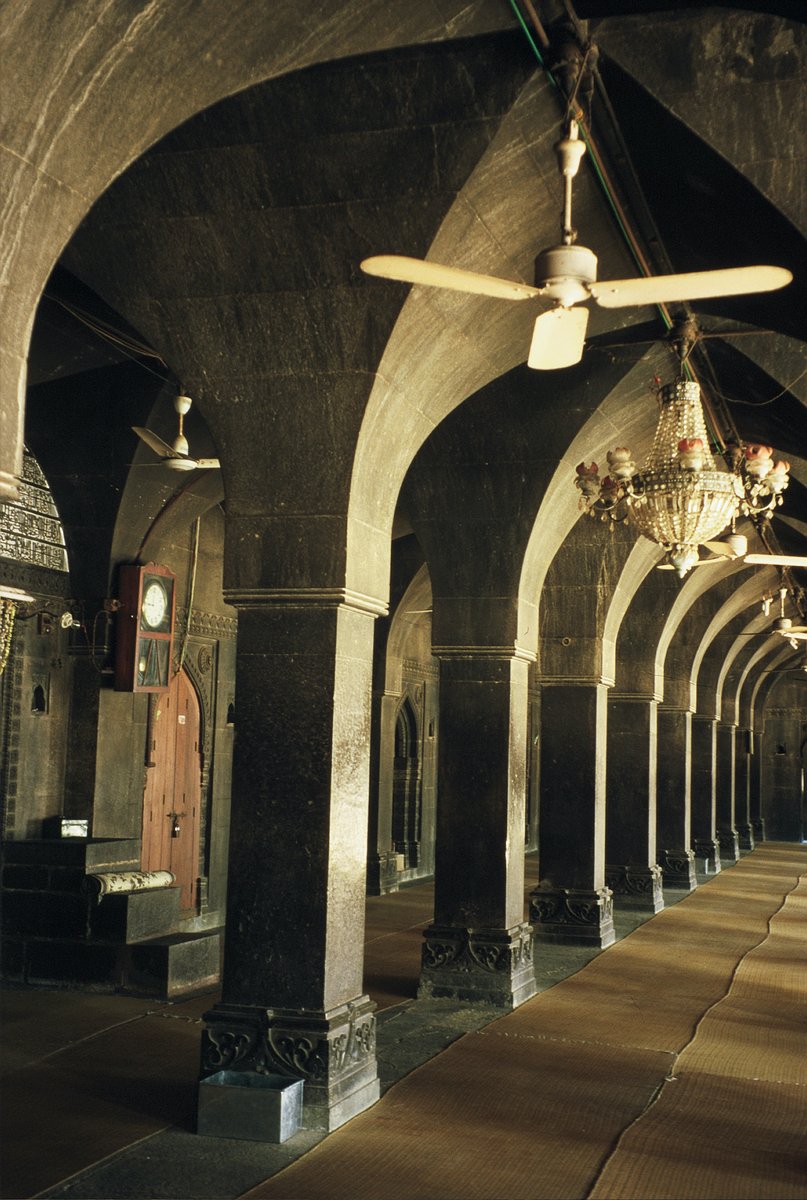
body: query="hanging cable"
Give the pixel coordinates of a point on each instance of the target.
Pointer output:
(191, 592)
(608, 190)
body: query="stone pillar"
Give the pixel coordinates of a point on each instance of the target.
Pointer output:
(382, 858)
(81, 763)
(755, 786)
(571, 904)
(631, 870)
(702, 788)
(724, 794)
(742, 811)
(673, 786)
(480, 947)
(292, 1000)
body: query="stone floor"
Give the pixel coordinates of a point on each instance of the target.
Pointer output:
(112, 1078)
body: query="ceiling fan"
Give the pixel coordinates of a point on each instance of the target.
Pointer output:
(736, 547)
(567, 276)
(176, 456)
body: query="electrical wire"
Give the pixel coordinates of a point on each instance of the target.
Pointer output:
(617, 210)
(191, 591)
(128, 347)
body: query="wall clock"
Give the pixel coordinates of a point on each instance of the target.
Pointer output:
(145, 628)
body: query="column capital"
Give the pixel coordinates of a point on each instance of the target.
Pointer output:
(500, 652)
(335, 597)
(576, 681)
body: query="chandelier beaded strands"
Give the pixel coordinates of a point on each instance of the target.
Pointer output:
(10, 597)
(681, 499)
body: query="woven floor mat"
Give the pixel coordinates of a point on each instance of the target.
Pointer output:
(490, 1117)
(733, 1120)
(566, 1096)
(711, 1137)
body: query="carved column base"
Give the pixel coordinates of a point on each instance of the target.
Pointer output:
(729, 845)
(758, 826)
(678, 868)
(571, 917)
(636, 887)
(332, 1052)
(709, 850)
(382, 874)
(493, 966)
(745, 836)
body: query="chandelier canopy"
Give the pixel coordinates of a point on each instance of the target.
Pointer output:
(681, 499)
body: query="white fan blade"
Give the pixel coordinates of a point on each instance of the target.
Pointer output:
(417, 270)
(777, 560)
(155, 443)
(558, 338)
(208, 464)
(697, 285)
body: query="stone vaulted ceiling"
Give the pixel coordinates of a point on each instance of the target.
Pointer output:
(216, 190)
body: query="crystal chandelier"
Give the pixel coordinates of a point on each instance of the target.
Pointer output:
(10, 597)
(681, 499)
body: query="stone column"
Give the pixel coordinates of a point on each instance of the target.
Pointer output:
(742, 811)
(631, 870)
(292, 999)
(480, 947)
(382, 859)
(724, 794)
(702, 787)
(673, 790)
(571, 904)
(755, 786)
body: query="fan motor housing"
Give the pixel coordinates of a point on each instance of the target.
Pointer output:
(565, 272)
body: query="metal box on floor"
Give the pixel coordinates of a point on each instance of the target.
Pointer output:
(244, 1104)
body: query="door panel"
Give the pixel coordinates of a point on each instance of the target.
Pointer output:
(172, 799)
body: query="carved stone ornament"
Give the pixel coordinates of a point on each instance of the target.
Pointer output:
(204, 660)
(709, 850)
(270, 1042)
(632, 880)
(567, 907)
(677, 860)
(468, 950)
(569, 916)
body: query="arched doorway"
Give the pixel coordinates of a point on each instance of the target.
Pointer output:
(172, 798)
(406, 789)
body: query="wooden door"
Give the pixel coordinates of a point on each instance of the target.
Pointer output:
(172, 800)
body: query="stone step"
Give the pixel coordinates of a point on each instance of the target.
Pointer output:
(133, 916)
(177, 965)
(45, 914)
(87, 854)
(61, 962)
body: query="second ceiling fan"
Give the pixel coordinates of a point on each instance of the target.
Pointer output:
(566, 275)
(176, 456)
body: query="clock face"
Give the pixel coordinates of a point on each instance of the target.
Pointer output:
(154, 608)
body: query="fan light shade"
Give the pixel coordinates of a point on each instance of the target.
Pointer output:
(558, 338)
